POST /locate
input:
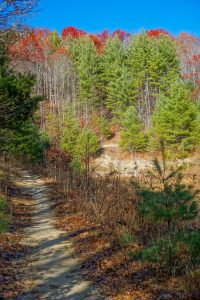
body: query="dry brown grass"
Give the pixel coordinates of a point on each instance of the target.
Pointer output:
(13, 278)
(96, 216)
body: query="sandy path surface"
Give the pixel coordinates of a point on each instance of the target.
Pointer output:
(53, 263)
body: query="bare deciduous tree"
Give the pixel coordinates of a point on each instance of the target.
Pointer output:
(12, 12)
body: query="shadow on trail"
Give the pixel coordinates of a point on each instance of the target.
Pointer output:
(53, 261)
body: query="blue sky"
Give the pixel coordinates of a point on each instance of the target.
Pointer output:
(130, 15)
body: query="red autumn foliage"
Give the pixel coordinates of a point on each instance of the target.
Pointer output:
(104, 35)
(30, 47)
(59, 51)
(196, 57)
(100, 39)
(97, 42)
(122, 35)
(156, 32)
(73, 32)
(56, 155)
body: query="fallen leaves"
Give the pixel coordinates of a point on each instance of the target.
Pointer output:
(101, 261)
(13, 279)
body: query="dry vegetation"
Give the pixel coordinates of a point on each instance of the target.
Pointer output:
(98, 217)
(13, 261)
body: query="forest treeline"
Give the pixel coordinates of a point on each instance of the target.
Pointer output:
(146, 84)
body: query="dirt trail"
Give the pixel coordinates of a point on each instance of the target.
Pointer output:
(52, 260)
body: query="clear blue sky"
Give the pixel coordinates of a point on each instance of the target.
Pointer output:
(130, 15)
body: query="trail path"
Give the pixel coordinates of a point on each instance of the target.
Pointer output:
(52, 260)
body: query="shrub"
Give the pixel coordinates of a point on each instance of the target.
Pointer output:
(169, 204)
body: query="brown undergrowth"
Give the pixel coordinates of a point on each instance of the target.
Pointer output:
(96, 228)
(13, 277)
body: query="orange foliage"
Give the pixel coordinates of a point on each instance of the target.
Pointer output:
(30, 47)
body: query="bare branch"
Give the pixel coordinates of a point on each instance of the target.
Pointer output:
(12, 12)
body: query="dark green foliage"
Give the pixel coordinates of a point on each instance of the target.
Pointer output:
(16, 102)
(173, 253)
(172, 203)
(24, 141)
(169, 204)
(191, 241)
(18, 134)
(162, 251)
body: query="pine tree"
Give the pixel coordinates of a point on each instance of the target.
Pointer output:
(85, 57)
(16, 102)
(154, 64)
(24, 141)
(79, 143)
(115, 76)
(167, 203)
(18, 133)
(69, 133)
(175, 118)
(87, 143)
(86, 146)
(101, 126)
(132, 132)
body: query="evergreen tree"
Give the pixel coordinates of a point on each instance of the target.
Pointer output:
(18, 134)
(79, 143)
(176, 118)
(115, 76)
(154, 64)
(132, 132)
(69, 133)
(16, 102)
(85, 57)
(101, 126)
(87, 143)
(169, 204)
(24, 141)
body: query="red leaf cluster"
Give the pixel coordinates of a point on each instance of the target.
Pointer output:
(196, 58)
(122, 35)
(156, 32)
(73, 32)
(99, 39)
(56, 155)
(30, 47)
